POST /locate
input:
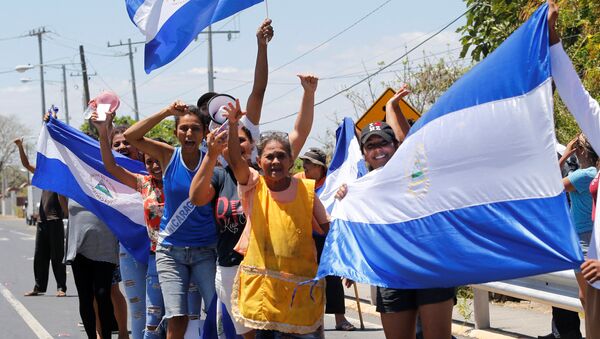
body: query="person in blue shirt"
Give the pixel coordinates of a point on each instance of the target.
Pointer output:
(186, 249)
(577, 184)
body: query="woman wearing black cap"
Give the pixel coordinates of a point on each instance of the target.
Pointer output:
(399, 307)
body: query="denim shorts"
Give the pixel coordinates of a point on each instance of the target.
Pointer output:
(177, 267)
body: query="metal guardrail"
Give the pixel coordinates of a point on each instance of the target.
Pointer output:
(557, 289)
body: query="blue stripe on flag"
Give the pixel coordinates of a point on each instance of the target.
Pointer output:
(481, 246)
(132, 236)
(516, 67)
(183, 27)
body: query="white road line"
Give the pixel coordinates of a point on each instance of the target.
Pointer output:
(22, 234)
(29, 319)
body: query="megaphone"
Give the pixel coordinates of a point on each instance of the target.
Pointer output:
(216, 107)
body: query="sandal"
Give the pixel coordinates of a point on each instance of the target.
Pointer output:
(345, 326)
(33, 293)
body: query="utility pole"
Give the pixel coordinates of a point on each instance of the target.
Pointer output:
(64, 74)
(211, 71)
(133, 87)
(84, 100)
(86, 88)
(41, 31)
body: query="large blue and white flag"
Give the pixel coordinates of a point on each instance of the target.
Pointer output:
(170, 26)
(474, 193)
(69, 163)
(347, 163)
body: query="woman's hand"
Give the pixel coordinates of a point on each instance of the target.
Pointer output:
(591, 270)
(264, 34)
(341, 193)
(178, 108)
(216, 142)
(571, 147)
(309, 82)
(401, 93)
(233, 113)
(18, 141)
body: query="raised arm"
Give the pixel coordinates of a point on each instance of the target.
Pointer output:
(238, 165)
(158, 150)
(23, 155)
(394, 116)
(304, 120)
(124, 176)
(201, 190)
(578, 100)
(264, 34)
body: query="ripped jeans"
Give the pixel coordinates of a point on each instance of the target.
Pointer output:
(155, 305)
(133, 274)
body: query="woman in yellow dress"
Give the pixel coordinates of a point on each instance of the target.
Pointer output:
(279, 249)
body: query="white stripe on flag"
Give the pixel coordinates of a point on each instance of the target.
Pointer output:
(479, 155)
(344, 174)
(150, 16)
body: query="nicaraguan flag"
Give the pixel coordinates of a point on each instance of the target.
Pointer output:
(474, 194)
(69, 163)
(170, 25)
(347, 163)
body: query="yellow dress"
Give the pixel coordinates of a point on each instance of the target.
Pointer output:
(281, 253)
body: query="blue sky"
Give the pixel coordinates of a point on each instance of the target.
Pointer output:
(299, 26)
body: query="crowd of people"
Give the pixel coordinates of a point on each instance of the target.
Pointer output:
(226, 217)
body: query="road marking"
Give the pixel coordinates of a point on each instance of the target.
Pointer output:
(22, 234)
(4, 239)
(29, 319)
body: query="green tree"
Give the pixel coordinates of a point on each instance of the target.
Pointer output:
(163, 130)
(490, 22)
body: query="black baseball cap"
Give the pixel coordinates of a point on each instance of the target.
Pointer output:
(379, 128)
(316, 156)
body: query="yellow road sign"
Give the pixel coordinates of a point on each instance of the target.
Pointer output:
(377, 111)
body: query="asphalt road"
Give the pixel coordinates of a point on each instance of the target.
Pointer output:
(50, 317)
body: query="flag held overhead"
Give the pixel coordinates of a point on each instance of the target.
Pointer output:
(171, 25)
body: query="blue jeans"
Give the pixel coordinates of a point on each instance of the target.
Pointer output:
(155, 307)
(177, 267)
(133, 274)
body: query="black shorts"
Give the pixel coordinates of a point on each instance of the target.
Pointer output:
(391, 300)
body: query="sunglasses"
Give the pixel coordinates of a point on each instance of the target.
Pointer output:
(272, 134)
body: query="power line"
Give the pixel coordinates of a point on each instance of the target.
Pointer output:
(319, 45)
(333, 37)
(380, 70)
